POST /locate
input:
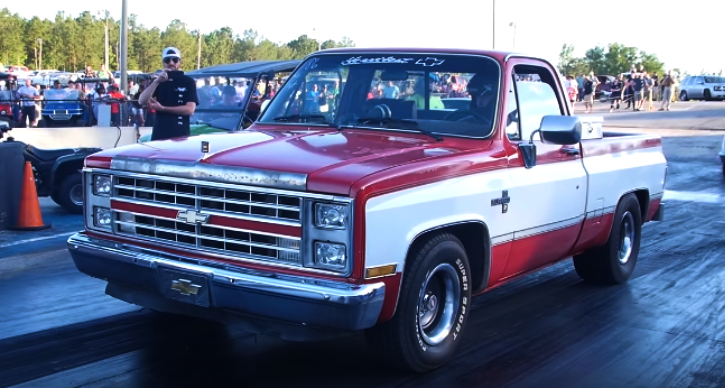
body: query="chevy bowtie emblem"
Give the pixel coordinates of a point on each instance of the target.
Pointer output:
(192, 217)
(185, 287)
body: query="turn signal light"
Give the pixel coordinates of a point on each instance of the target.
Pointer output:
(384, 270)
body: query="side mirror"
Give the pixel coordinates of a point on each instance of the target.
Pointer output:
(562, 130)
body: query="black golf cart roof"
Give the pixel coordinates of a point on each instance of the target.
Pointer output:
(250, 69)
(7, 76)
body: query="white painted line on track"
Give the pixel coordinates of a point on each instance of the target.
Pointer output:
(36, 239)
(692, 196)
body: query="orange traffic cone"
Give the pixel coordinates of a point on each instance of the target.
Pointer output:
(29, 217)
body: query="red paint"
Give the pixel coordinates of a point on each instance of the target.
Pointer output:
(98, 161)
(258, 265)
(536, 251)
(263, 227)
(595, 232)
(144, 209)
(654, 205)
(499, 259)
(392, 291)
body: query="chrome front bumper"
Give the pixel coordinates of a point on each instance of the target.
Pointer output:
(161, 281)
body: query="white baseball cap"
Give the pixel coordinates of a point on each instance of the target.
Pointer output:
(171, 52)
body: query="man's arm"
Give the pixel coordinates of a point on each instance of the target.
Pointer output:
(143, 99)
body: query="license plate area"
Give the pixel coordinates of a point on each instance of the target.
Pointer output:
(185, 286)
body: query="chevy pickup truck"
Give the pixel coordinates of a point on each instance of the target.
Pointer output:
(371, 207)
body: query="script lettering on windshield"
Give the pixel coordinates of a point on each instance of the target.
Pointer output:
(361, 60)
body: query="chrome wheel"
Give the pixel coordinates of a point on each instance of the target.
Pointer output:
(76, 194)
(627, 237)
(438, 303)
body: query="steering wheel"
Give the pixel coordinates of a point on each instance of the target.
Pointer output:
(461, 114)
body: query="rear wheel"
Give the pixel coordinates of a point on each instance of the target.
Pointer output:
(614, 262)
(70, 194)
(433, 308)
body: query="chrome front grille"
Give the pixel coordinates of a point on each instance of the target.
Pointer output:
(255, 206)
(230, 241)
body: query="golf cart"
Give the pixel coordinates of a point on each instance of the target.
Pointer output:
(231, 96)
(57, 171)
(67, 107)
(8, 82)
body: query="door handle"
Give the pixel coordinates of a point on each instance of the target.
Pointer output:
(570, 151)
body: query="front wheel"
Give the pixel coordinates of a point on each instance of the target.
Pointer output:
(433, 307)
(70, 194)
(614, 262)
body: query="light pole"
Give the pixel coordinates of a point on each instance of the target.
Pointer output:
(40, 57)
(124, 47)
(513, 24)
(106, 14)
(198, 56)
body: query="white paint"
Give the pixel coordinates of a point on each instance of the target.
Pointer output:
(394, 220)
(543, 198)
(74, 137)
(35, 239)
(613, 175)
(546, 194)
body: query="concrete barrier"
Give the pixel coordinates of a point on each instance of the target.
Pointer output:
(74, 137)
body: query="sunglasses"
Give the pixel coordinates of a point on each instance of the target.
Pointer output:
(171, 59)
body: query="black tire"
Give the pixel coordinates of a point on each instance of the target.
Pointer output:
(683, 96)
(67, 198)
(707, 95)
(723, 170)
(602, 264)
(404, 341)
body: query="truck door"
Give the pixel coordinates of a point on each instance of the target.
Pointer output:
(547, 201)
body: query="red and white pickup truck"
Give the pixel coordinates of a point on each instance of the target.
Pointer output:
(369, 195)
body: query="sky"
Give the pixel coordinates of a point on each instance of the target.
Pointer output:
(541, 27)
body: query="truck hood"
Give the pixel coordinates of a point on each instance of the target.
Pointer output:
(321, 160)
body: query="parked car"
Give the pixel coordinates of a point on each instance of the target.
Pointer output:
(63, 107)
(375, 216)
(216, 114)
(702, 87)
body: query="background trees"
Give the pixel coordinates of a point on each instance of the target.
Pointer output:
(71, 43)
(614, 59)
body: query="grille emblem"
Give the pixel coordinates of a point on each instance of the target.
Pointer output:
(192, 217)
(185, 287)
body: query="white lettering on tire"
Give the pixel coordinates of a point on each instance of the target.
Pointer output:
(464, 301)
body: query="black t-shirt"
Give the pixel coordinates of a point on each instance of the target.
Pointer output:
(638, 83)
(174, 92)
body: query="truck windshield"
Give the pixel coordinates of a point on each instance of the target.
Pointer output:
(443, 94)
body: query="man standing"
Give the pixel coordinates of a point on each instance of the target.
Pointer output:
(174, 99)
(28, 95)
(667, 82)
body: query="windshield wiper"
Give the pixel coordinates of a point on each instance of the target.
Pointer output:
(402, 121)
(300, 117)
(308, 117)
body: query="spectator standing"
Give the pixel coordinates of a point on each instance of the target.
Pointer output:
(116, 99)
(580, 85)
(667, 83)
(648, 88)
(656, 90)
(638, 91)
(28, 94)
(572, 90)
(588, 94)
(174, 99)
(105, 74)
(617, 91)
